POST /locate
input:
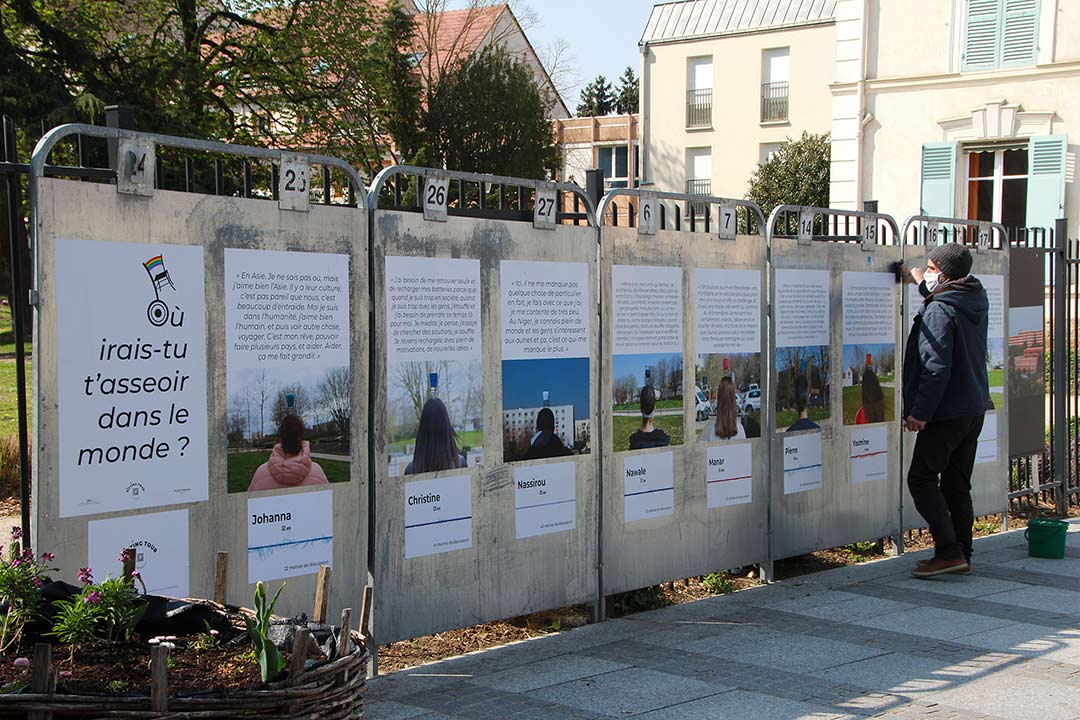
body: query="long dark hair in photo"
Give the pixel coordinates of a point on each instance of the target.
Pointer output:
(436, 441)
(291, 434)
(727, 414)
(873, 397)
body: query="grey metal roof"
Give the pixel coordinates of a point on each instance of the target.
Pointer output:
(688, 19)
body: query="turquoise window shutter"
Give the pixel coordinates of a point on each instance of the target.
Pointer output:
(1046, 180)
(1020, 33)
(938, 195)
(982, 34)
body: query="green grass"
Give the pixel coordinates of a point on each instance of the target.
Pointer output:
(623, 427)
(853, 401)
(9, 406)
(785, 418)
(242, 467)
(672, 404)
(7, 333)
(998, 398)
(470, 439)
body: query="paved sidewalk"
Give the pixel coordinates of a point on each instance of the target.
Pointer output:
(863, 641)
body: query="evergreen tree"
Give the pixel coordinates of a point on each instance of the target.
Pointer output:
(797, 174)
(626, 98)
(597, 98)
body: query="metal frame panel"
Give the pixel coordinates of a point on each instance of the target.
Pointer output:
(989, 481)
(692, 540)
(839, 512)
(499, 576)
(91, 211)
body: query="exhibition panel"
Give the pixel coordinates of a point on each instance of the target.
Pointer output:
(485, 330)
(835, 360)
(683, 312)
(200, 375)
(989, 244)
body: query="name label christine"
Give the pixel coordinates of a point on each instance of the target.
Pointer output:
(424, 499)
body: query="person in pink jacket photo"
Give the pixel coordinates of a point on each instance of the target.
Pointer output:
(290, 463)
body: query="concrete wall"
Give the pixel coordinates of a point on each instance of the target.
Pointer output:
(737, 131)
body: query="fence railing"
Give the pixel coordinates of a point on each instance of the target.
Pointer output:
(699, 108)
(774, 102)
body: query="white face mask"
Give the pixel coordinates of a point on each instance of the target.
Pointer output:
(932, 280)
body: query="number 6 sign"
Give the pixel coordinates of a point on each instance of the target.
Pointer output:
(648, 214)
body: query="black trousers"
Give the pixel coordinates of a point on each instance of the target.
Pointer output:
(940, 482)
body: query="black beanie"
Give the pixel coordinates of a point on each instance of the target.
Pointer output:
(953, 259)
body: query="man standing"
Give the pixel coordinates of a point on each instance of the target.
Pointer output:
(946, 395)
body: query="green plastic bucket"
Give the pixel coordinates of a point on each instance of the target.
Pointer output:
(1046, 538)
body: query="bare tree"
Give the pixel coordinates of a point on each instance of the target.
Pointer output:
(335, 394)
(260, 390)
(561, 65)
(302, 404)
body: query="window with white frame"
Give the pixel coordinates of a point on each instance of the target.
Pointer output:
(1000, 34)
(699, 81)
(997, 185)
(614, 160)
(767, 150)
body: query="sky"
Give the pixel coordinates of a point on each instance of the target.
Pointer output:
(602, 34)
(565, 379)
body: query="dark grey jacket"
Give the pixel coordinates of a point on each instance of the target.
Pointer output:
(945, 358)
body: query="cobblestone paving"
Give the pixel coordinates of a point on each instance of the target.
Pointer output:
(860, 642)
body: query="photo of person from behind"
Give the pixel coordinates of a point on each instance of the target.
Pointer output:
(545, 443)
(873, 399)
(802, 401)
(649, 436)
(290, 463)
(726, 424)
(436, 446)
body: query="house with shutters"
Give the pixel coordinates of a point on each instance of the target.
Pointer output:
(958, 108)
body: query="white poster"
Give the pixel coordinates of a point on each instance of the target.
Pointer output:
(988, 441)
(914, 303)
(648, 485)
(802, 462)
(995, 293)
(802, 308)
(290, 535)
(438, 515)
(727, 306)
(432, 309)
(869, 454)
(287, 356)
(286, 309)
(545, 499)
(729, 479)
(433, 351)
(131, 361)
(869, 308)
(647, 309)
(545, 309)
(161, 549)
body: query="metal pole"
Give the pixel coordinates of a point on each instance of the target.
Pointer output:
(18, 300)
(1061, 364)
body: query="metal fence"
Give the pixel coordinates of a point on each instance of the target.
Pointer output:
(699, 108)
(774, 101)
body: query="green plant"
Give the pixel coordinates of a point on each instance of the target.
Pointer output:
(108, 611)
(117, 686)
(649, 598)
(21, 576)
(718, 584)
(258, 627)
(205, 640)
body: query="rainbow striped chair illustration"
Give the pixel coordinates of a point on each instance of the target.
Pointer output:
(158, 312)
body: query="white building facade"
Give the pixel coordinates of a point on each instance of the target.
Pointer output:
(725, 82)
(958, 108)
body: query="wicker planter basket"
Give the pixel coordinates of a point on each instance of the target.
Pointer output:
(331, 690)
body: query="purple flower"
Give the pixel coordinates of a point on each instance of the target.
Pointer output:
(38, 582)
(48, 556)
(85, 576)
(135, 574)
(65, 674)
(214, 633)
(16, 533)
(22, 662)
(93, 598)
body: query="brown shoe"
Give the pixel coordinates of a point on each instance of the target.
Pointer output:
(921, 563)
(939, 566)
